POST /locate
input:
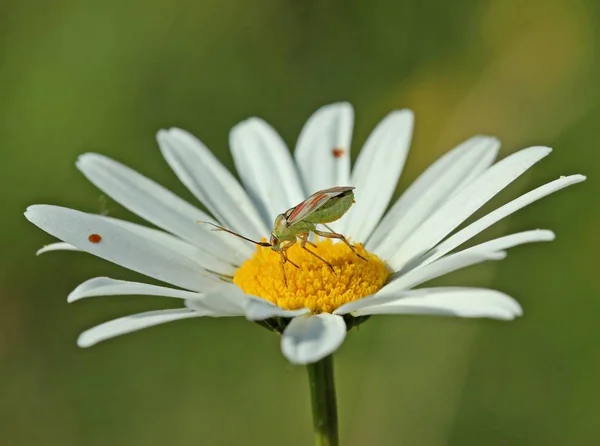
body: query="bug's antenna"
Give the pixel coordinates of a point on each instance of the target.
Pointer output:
(221, 228)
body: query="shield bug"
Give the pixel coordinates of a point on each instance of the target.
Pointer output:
(296, 224)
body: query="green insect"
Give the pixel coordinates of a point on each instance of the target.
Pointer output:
(296, 224)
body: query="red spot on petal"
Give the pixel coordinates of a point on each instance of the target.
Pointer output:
(338, 153)
(95, 238)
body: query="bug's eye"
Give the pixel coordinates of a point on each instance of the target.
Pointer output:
(274, 240)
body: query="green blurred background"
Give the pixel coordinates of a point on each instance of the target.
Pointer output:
(78, 76)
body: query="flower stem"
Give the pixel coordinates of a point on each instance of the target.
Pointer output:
(324, 407)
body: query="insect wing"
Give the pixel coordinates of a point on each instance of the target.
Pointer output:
(314, 202)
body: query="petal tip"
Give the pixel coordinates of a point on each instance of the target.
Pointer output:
(541, 151)
(32, 212)
(310, 338)
(42, 250)
(483, 136)
(493, 140)
(85, 341)
(404, 113)
(73, 296)
(86, 156)
(342, 106)
(85, 160)
(545, 235)
(162, 134)
(498, 255)
(518, 312)
(252, 121)
(237, 131)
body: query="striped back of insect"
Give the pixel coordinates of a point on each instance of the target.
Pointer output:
(333, 209)
(324, 206)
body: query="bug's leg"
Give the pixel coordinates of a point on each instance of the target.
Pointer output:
(306, 240)
(287, 258)
(303, 241)
(282, 257)
(333, 234)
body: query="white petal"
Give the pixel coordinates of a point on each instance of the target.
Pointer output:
(443, 266)
(105, 286)
(223, 300)
(60, 246)
(310, 338)
(259, 309)
(376, 173)
(265, 167)
(509, 241)
(329, 128)
(120, 246)
(439, 182)
(464, 203)
(227, 299)
(211, 182)
(485, 222)
(203, 258)
(491, 247)
(461, 302)
(159, 206)
(132, 323)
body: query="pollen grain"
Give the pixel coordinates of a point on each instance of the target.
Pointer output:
(313, 285)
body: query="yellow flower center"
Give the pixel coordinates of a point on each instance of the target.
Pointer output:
(313, 285)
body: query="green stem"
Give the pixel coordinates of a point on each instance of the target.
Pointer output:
(324, 407)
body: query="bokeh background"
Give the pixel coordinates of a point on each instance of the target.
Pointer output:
(78, 76)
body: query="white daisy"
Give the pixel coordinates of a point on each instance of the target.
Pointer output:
(216, 274)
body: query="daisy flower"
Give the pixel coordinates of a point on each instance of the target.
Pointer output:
(215, 274)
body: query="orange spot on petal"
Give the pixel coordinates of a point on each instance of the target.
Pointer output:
(338, 153)
(95, 238)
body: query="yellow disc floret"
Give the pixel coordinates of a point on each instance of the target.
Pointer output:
(313, 285)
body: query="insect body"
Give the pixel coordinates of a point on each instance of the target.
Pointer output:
(296, 224)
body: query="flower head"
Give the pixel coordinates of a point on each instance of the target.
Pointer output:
(313, 285)
(330, 286)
